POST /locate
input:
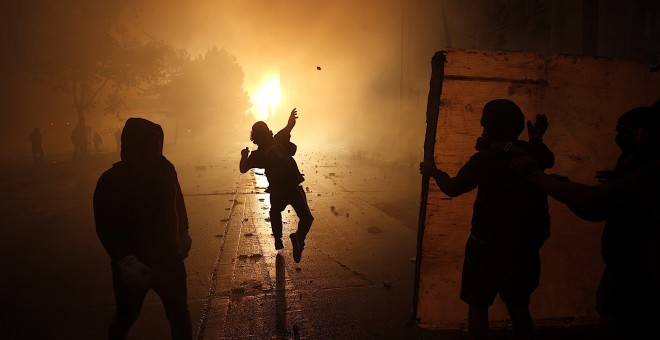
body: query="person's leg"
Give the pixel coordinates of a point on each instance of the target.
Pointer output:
(128, 306)
(479, 282)
(521, 322)
(277, 204)
(477, 323)
(522, 275)
(298, 201)
(170, 284)
(300, 206)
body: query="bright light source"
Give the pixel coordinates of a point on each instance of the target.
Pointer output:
(265, 99)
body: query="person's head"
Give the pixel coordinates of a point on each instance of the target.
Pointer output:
(502, 120)
(626, 128)
(647, 135)
(141, 140)
(260, 133)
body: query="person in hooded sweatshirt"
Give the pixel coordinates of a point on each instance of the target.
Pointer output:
(141, 221)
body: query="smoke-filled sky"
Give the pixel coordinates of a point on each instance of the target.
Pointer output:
(343, 64)
(356, 70)
(357, 45)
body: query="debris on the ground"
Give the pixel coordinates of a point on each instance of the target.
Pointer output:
(224, 219)
(238, 290)
(218, 235)
(248, 234)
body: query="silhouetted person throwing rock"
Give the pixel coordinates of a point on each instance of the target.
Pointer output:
(142, 223)
(37, 150)
(510, 219)
(275, 155)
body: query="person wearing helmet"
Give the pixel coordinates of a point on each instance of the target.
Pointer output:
(628, 200)
(510, 219)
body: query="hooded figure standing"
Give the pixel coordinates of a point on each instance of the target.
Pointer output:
(275, 155)
(142, 223)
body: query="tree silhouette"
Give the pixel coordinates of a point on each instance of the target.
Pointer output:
(205, 93)
(82, 48)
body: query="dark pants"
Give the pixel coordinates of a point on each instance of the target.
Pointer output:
(296, 197)
(38, 154)
(169, 282)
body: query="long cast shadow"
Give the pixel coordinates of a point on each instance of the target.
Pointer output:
(280, 296)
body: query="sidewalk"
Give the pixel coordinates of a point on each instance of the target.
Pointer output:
(354, 280)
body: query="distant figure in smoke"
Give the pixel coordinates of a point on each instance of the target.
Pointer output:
(97, 141)
(628, 199)
(37, 150)
(118, 139)
(79, 140)
(275, 155)
(510, 220)
(142, 223)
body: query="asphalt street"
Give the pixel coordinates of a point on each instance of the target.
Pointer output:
(355, 279)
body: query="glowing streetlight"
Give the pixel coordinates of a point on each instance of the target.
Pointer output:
(265, 99)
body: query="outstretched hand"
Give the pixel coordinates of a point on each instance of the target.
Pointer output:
(292, 117)
(537, 129)
(428, 169)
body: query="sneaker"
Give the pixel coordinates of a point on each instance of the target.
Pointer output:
(278, 244)
(297, 247)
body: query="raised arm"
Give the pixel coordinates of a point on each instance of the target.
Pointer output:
(292, 121)
(539, 150)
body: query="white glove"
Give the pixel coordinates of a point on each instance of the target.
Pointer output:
(185, 243)
(134, 273)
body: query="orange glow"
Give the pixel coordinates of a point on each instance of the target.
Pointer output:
(265, 99)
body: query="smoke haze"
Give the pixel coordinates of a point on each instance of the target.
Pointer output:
(356, 70)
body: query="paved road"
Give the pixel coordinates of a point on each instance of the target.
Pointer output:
(354, 282)
(357, 257)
